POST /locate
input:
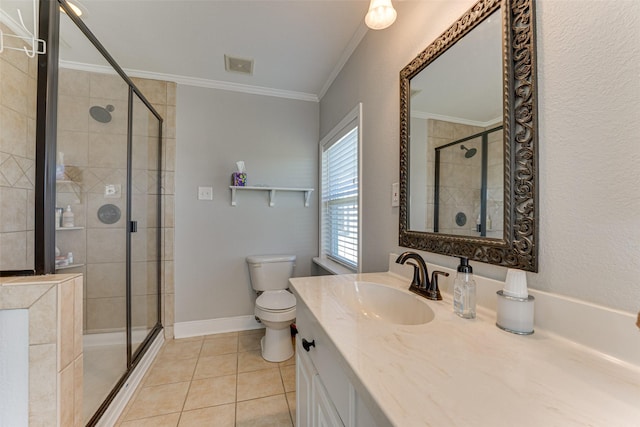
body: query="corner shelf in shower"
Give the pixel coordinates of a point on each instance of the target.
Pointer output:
(65, 267)
(272, 193)
(68, 186)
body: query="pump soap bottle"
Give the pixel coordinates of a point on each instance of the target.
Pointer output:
(68, 218)
(464, 291)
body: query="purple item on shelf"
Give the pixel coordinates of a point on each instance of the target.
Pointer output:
(239, 179)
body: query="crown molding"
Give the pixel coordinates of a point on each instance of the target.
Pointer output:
(193, 81)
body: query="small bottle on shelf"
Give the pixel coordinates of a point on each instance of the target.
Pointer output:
(68, 218)
(59, 217)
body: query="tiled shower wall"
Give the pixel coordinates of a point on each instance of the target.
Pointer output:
(461, 193)
(95, 156)
(18, 75)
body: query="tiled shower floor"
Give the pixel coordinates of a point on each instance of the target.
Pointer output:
(217, 380)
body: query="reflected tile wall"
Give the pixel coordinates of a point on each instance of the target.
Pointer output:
(17, 158)
(462, 192)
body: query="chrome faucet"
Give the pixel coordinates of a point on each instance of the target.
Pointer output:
(420, 284)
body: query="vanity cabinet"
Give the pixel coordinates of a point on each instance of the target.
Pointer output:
(325, 395)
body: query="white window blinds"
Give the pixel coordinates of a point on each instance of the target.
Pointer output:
(340, 198)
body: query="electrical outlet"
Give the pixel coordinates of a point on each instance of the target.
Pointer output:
(205, 193)
(395, 194)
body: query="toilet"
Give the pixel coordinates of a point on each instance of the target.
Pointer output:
(275, 305)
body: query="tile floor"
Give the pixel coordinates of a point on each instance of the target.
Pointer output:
(217, 380)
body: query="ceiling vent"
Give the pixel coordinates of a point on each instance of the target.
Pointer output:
(238, 65)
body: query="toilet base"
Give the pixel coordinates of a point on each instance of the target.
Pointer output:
(276, 345)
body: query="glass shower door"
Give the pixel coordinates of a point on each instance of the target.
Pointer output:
(145, 226)
(91, 184)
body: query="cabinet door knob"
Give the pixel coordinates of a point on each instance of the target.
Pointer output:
(307, 345)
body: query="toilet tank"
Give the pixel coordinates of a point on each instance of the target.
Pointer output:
(270, 272)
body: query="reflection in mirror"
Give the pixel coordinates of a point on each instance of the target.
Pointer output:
(468, 136)
(468, 184)
(446, 115)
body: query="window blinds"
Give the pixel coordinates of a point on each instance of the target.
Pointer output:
(340, 199)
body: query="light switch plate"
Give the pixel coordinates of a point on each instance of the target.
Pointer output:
(395, 194)
(205, 193)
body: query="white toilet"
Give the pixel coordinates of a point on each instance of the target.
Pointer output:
(275, 305)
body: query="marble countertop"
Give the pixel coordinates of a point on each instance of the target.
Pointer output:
(459, 372)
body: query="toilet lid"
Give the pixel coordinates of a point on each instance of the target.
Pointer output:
(276, 300)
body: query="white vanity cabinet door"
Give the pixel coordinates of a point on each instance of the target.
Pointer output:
(324, 412)
(324, 393)
(304, 388)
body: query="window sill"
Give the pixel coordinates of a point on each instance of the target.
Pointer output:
(332, 266)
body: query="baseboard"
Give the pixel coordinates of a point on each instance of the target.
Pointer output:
(114, 411)
(215, 326)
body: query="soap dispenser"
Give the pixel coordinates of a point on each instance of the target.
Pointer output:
(464, 291)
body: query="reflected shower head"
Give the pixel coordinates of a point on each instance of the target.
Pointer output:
(470, 151)
(101, 114)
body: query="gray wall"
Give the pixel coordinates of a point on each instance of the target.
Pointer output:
(278, 139)
(589, 98)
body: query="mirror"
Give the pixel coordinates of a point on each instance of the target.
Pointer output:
(468, 137)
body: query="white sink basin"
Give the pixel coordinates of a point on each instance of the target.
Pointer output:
(382, 302)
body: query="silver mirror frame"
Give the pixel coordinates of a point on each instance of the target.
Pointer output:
(518, 247)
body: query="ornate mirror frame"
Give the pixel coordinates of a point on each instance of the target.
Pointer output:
(518, 247)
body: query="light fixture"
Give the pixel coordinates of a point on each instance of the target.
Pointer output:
(381, 14)
(76, 7)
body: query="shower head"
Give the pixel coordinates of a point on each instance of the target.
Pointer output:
(470, 151)
(101, 114)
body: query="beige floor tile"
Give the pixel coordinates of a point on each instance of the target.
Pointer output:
(253, 361)
(169, 420)
(210, 392)
(251, 332)
(291, 360)
(231, 385)
(268, 411)
(181, 349)
(158, 400)
(219, 345)
(288, 377)
(248, 342)
(222, 335)
(166, 371)
(256, 384)
(291, 400)
(216, 366)
(215, 416)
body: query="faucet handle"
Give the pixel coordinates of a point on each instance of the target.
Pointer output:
(417, 279)
(432, 291)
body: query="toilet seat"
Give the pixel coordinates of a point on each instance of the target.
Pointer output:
(276, 301)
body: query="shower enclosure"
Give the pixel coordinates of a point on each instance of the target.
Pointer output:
(107, 179)
(80, 183)
(468, 187)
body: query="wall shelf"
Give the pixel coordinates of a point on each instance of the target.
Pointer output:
(272, 193)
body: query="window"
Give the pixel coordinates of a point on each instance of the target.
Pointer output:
(340, 193)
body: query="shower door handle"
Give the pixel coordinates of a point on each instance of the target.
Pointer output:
(133, 226)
